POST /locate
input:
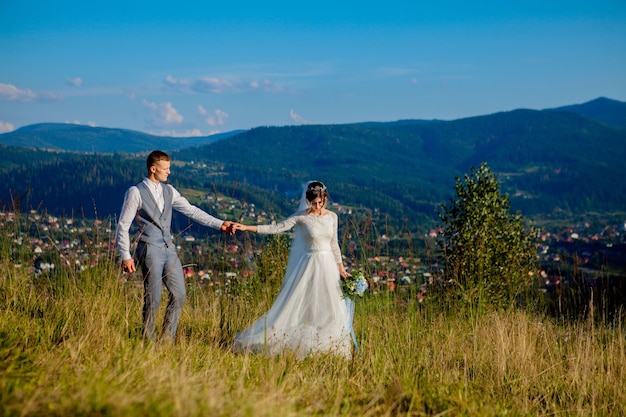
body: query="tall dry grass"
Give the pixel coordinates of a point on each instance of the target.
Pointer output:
(70, 345)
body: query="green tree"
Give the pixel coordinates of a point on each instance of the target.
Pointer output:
(490, 254)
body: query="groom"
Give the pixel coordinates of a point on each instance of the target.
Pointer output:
(150, 204)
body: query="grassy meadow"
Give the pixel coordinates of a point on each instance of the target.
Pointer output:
(70, 345)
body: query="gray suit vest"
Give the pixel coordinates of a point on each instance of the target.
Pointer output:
(154, 226)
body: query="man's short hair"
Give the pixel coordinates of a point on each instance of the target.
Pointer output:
(156, 156)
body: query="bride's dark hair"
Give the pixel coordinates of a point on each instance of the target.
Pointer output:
(316, 189)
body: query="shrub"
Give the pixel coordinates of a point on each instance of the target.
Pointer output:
(490, 256)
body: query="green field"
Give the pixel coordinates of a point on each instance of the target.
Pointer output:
(70, 345)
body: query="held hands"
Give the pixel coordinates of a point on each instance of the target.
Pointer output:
(229, 228)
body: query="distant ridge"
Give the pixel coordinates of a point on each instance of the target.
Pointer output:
(552, 163)
(606, 110)
(79, 138)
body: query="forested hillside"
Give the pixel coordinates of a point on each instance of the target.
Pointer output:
(605, 110)
(552, 163)
(79, 138)
(549, 162)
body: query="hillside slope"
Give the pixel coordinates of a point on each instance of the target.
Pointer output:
(552, 163)
(78, 138)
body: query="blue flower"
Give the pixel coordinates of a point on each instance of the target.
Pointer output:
(361, 286)
(354, 285)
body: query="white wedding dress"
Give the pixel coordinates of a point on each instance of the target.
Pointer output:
(309, 314)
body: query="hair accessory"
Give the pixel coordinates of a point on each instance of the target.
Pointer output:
(317, 187)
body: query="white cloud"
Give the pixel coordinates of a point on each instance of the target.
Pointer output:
(213, 85)
(78, 122)
(217, 85)
(163, 113)
(10, 92)
(201, 110)
(296, 117)
(201, 85)
(176, 134)
(6, 127)
(216, 119)
(266, 86)
(176, 82)
(76, 81)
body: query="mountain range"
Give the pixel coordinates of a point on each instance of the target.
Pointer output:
(555, 162)
(80, 138)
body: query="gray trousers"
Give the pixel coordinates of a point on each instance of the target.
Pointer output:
(161, 266)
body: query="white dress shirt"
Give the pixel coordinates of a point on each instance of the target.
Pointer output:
(132, 204)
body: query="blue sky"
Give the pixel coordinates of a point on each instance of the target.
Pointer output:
(183, 68)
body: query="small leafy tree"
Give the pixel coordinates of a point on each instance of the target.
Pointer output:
(490, 256)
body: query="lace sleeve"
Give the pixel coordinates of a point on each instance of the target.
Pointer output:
(270, 229)
(334, 242)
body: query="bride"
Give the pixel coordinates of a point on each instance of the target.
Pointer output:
(309, 314)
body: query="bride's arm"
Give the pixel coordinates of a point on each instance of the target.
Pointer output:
(334, 246)
(245, 228)
(268, 229)
(342, 270)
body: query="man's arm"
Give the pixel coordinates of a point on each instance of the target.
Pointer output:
(182, 205)
(132, 201)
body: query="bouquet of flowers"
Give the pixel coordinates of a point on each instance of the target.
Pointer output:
(354, 285)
